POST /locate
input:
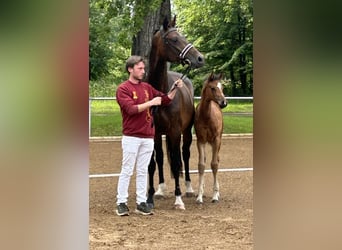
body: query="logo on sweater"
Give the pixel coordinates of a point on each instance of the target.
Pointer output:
(148, 114)
(147, 97)
(135, 95)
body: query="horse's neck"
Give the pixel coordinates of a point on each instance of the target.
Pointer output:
(205, 108)
(157, 75)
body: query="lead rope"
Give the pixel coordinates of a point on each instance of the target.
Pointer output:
(174, 85)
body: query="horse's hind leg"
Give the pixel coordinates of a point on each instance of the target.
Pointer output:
(187, 140)
(151, 191)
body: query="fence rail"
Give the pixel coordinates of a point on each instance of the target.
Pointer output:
(114, 98)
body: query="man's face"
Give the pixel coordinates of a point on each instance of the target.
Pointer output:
(138, 71)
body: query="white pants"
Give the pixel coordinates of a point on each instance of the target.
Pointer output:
(136, 152)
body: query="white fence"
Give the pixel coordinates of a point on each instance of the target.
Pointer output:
(114, 98)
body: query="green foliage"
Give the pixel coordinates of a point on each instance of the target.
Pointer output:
(112, 25)
(223, 31)
(141, 9)
(100, 88)
(109, 38)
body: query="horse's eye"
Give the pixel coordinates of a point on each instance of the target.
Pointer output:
(174, 39)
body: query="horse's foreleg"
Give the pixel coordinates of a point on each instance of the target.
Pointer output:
(151, 191)
(158, 146)
(214, 167)
(187, 140)
(176, 161)
(216, 188)
(201, 167)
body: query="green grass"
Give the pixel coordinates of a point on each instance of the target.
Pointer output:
(106, 117)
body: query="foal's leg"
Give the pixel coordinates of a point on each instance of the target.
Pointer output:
(187, 140)
(214, 167)
(201, 167)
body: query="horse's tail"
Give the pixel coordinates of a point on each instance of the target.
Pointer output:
(169, 159)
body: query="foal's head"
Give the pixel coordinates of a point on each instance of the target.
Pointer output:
(173, 46)
(212, 90)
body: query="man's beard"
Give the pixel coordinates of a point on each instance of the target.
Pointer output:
(138, 78)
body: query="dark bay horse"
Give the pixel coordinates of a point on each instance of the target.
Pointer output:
(209, 128)
(176, 119)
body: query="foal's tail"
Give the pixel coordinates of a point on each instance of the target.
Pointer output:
(169, 159)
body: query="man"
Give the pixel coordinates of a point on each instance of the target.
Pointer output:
(135, 98)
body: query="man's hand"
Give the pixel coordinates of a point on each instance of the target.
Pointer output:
(179, 83)
(156, 101)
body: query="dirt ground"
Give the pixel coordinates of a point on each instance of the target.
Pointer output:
(224, 225)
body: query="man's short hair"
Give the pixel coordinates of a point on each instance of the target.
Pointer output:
(133, 60)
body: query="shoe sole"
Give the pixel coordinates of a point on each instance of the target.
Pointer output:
(143, 213)
(122, 214)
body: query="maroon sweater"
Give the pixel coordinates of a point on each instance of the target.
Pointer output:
(129, 96)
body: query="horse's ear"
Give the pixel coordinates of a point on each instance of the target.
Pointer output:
(166, 23)
(220, 76)
(173, 22)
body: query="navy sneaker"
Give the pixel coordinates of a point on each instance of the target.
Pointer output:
(143, 209)
(122, 210)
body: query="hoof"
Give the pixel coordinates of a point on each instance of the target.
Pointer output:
(215, 201)
(200, 202)
(189, 189)
(159, 196)
(190, 194)
(179, 207)
(150, 205)
(161, 191)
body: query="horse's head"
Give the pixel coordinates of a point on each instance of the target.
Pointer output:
(174, 47)
(213, 91)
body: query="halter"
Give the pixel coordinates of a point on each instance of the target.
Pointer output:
(184, 51)
(187, 61)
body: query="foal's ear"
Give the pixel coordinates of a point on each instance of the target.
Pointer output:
(211, 77)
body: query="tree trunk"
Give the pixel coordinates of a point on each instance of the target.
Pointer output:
(242, 57)
(233, 81)
(142, 41)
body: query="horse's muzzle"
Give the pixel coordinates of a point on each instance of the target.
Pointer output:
(194, 61)
(199, 61)
(223, 104)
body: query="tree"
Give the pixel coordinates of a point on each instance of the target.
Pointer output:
(108, 37)
(117, 29)
(153, 17)
(99, 37)
(223, 32)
